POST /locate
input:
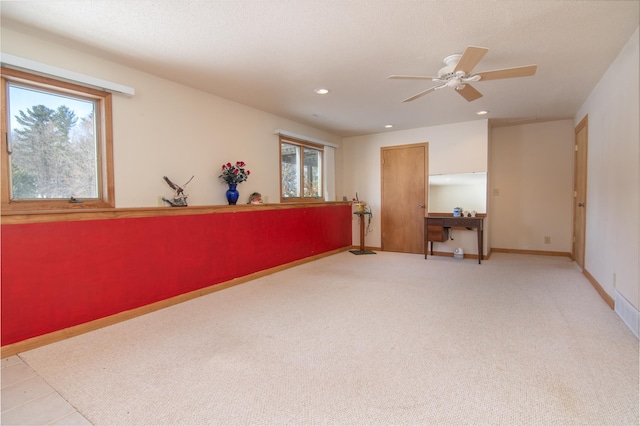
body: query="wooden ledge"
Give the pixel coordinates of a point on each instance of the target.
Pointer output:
(40, 216)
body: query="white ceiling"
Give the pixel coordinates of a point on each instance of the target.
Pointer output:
(272, 54)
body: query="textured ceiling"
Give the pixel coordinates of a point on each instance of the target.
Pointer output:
(272, 54)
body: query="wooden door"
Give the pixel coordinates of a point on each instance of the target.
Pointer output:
(404, 171)
(580, 191)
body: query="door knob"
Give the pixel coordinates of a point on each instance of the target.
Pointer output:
(580, 204)
(421, 206)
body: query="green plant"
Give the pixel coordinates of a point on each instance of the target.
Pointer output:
(369, 214)
(366, 211)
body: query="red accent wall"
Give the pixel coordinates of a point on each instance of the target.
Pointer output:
(60, 274)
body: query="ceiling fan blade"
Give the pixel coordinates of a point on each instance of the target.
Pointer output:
(469, 92)
(424, 92)
(525, 71)
(470, 58)
(413, 77)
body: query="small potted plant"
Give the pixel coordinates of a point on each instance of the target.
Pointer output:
(359, 205)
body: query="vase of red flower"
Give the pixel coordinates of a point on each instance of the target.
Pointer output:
(232, 194)
(232, 175)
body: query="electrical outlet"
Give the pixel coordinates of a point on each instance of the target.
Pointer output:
(496, 192)
(547, 240)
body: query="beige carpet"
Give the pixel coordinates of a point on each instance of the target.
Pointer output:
(365, 340)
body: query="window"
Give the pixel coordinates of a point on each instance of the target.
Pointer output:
(300, 170)
(57, 149)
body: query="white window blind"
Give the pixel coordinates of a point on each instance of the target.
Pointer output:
(12, 61)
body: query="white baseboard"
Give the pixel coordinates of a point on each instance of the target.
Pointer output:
(629, 314)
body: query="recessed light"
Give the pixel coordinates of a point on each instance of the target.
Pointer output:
(482, 112)
(321, 91)
(388, 126)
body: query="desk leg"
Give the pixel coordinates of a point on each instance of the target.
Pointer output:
(480, 244)
(426, 245)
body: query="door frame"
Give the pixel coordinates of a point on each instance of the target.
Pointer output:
(425, 145)
(580, 169)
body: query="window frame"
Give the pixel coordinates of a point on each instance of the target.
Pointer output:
(104, 126)
(302, 144)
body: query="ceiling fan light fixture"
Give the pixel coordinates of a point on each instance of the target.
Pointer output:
(457, 74)
(452, 60)
(450, 65)
(388, 126)
(482, 112)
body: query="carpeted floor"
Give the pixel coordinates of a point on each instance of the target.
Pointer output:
(365, 340)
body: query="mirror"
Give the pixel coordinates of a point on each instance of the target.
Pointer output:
(466, 190)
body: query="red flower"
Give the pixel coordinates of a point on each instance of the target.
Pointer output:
(234, 173)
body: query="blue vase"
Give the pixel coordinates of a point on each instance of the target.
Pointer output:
(232, 194)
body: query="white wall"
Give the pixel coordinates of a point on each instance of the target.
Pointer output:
(174, 130)
(453, 148)
(531, 186)
(613, 176)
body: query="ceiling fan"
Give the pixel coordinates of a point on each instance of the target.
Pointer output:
(457, 74)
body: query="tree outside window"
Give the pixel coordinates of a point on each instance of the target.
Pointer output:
(300, 171)
(58, 144)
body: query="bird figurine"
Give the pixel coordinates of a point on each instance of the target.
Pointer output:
(179, 198)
